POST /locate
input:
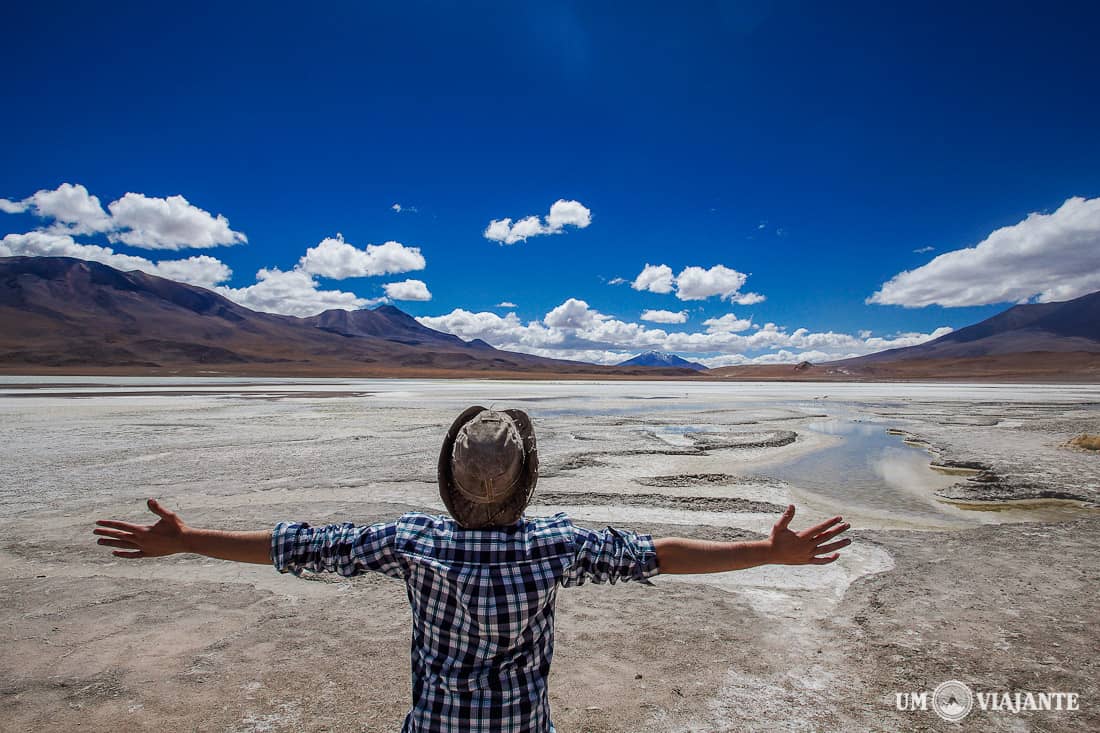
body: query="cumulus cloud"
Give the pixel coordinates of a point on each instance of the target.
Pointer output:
(568, 213)
(73, 209)
(655, 279)
(1049, 257)
(696, 283)
(574, 327)
(203, 270)
(573, 314)
(748, 299)
(334, 258)
(656, 316)
(729, 323)
(617, 281)
(174, 223)
(291, 292)
(168, 223)
(505, 304)
(407, 290)
(135, 219)
(296, 292)
(562, 214)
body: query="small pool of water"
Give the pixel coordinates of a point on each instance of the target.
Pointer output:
(871, 468)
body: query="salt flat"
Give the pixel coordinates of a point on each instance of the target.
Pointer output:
(931, 589)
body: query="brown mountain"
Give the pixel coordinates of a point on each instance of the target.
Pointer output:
(1073, 325)
(64, 315)
(1032, 342)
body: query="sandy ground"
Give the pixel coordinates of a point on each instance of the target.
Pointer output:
(1003, 599)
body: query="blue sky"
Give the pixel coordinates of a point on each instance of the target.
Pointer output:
(816, 149)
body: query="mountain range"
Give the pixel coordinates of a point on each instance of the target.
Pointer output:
(1027, 342)
(64, 315)
(68, 316)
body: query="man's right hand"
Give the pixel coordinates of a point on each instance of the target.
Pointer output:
(808, 547)
(166, 537)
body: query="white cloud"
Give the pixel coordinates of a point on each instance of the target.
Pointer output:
(50, 244)
(656, 316)
(73, 209)
(573, 314)
(1050, 257)
(654, 278)
(173, 223)
(135, 219)
(167, 223)
(568, 213)
(783, 356)
(505, 304)
(617, 281)
(398, 208)
(334, 258)
(504, 331)
(923, 250)
(562, 214)
(291, 292)
(748, 299)
(728, 323)
(407, 290)
(695, 283)
(203, 271)
(574, 327)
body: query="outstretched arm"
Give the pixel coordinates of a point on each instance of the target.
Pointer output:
(170, 536)
(783, 547)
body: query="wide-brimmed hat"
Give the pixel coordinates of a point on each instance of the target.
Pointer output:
(488, 467)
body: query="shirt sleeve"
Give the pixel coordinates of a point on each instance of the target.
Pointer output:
(346, 549)
(609, 555)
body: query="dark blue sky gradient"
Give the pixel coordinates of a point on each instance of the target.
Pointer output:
(863, 131)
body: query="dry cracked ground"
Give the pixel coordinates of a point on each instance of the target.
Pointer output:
(1003, 598)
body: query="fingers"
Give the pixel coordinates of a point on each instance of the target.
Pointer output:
(785, 519)
(830, 533)
(117, 543)
(115, 533)
(813, 560)
(156, 508)
(125, 526)
(819, 528)
(832, 546)
(132, 555)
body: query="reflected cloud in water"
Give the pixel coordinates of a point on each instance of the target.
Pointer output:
(871, 468)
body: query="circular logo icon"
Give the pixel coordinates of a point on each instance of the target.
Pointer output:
(952, 701)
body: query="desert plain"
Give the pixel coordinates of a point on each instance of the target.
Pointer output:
(975, 524)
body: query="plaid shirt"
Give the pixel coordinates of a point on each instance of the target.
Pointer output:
(482, 601)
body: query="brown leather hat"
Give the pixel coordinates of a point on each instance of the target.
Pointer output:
(488, 467)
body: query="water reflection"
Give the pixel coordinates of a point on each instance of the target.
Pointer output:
(869, 467)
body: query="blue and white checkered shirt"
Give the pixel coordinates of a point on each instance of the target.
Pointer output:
(482, 602)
